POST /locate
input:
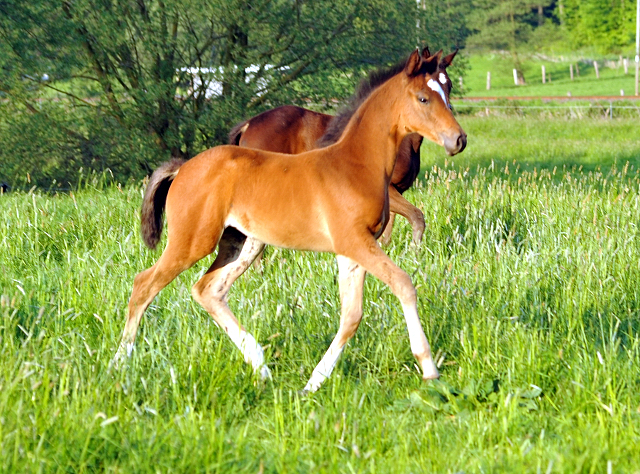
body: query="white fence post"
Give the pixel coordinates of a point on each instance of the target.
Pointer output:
(515, 77)
(544, 75)
(637, 68)
(595, 66)
(488, 80)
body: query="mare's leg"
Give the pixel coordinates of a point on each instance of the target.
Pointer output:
(236, 252)
(401, 206)
(366, 252)
(351, 277)
(385, 239)
(147, 284)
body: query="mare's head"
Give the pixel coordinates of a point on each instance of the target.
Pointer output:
(426, 109)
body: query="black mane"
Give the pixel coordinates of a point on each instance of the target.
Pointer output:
(365, 88)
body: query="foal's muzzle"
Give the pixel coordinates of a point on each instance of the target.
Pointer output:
(455, 143)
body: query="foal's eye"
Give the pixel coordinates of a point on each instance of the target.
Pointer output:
(450, 107)
(423, 100)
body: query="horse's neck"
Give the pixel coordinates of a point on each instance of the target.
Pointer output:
(372, 135)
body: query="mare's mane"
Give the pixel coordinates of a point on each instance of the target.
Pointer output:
(365, 88)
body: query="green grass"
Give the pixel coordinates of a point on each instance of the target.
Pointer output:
(611, 82)
(528, 289)
(519, 140)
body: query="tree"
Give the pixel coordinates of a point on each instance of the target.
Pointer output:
(138, 73)
(604, 24)
(444, 25)
(505, 25)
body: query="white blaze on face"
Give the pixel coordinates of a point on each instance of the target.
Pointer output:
(442, 78)
(434, 86)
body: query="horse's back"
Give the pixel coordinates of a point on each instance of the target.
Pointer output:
(286, 129)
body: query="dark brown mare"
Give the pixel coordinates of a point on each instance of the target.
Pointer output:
(291, 129)
(333, 199)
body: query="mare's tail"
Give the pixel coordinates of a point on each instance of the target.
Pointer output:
(236, 132)
(154, 201)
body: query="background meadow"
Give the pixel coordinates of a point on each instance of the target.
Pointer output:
(610, 81)
(528, 289)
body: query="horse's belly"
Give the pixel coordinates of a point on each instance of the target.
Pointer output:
(296, 230)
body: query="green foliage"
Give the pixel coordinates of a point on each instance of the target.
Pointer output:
(441, 24)
(505, 25)
(606, 26)
(95, 85)
(527, 283)
(122, 77)
(54, 147)
(522, 27)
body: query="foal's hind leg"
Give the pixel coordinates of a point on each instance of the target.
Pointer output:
(236, 252)
(351, 283)
(146, 285)
(399, 205)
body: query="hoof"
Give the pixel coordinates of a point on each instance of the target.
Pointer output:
(122, 354)
(417, 237)
(431, 375)
(311, 387)
(264, 373)
(429, 370)
(116, 363)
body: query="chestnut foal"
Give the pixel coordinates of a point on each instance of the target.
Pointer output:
(333, 199)
(291, 129)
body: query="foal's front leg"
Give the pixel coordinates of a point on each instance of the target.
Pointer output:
(351, 277)
(366, 252)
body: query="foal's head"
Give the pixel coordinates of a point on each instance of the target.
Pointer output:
(427, 110)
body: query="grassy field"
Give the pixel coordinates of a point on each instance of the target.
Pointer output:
(528, 286)
(612, 79)
(526, 142)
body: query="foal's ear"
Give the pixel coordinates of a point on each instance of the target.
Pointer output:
(430, 65)
(414, 64)
(447, 60)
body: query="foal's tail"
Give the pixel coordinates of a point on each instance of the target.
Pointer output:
(154, 201)
(236, 132)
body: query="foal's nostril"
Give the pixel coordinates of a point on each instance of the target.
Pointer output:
(461, 142)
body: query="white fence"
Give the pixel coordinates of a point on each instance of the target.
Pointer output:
(211, 79)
